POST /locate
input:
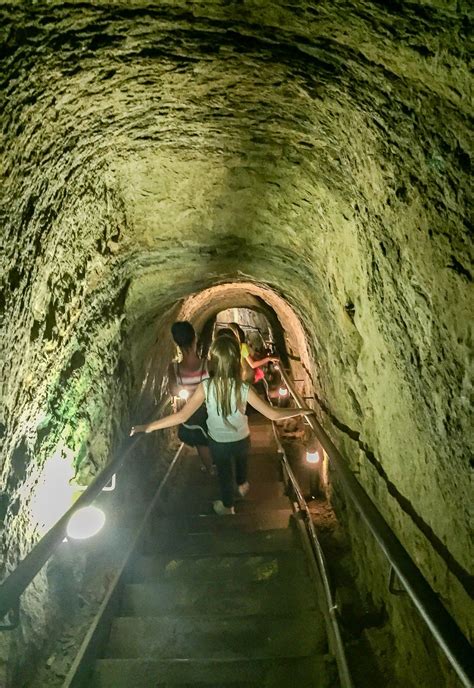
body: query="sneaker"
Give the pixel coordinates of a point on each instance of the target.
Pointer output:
(244, 489)
(222, 510)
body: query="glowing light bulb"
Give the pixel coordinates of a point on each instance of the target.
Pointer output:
(85, 523)
(283, 392)
(312, 457)
(183, 394)
(54, 492)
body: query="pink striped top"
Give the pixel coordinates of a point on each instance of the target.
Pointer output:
(190, 379)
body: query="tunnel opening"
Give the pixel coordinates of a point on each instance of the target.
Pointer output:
(203, 309)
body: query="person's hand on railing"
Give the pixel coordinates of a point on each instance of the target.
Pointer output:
(138, 428)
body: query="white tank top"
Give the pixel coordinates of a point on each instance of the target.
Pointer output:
(217, 427)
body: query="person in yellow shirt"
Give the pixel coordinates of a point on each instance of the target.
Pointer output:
(252, 369)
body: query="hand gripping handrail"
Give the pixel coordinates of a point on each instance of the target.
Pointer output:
(444, 628)
(16, 583)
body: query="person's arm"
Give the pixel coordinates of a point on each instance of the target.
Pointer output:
(263, 361)
(182, 416)
(273, 413)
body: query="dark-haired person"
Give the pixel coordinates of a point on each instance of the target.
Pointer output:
(184, 377)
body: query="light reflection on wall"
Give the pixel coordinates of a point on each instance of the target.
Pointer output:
(54, 492)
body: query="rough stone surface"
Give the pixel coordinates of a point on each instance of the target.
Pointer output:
(318, 151)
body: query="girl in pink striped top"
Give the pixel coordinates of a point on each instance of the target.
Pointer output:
(185, 377)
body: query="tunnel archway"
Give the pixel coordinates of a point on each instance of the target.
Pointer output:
(202, 307)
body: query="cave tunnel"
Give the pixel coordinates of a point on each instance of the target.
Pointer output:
(307, 161)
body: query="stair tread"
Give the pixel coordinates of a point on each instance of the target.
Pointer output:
(317, 672)
(277, 564)
(259, 491)
(203, 505)
(230, 541)
(230, 597)
(245, 637)
(270, 519)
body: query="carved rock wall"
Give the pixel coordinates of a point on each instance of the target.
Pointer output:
(153, 150)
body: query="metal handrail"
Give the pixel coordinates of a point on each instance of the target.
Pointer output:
(16, 583)
(443, 627)
(83, 658)
(341, 660)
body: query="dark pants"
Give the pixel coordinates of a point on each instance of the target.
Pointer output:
(224, 454)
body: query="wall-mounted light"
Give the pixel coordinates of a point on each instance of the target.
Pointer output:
(183, 394)
(312, 457)
(85, 523)
(283, 392)
(54, 492)
(110, 487)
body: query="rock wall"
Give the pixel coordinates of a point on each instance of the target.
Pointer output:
(323, 151)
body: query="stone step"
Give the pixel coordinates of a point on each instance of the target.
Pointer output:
(259, 453)
(204, 485)
(164, 529)
(232, 598)
(260, 469)
(202, 505)
(255, 504)
(166, 683)
(241, 522)
(258, 474)
(261, 489)
(265, 489)
(218, 637)
(305, 672)
(225, 542)
(245, 567)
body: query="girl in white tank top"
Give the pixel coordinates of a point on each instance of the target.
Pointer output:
(233, 427)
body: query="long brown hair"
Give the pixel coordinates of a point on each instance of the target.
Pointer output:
(225, 371)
